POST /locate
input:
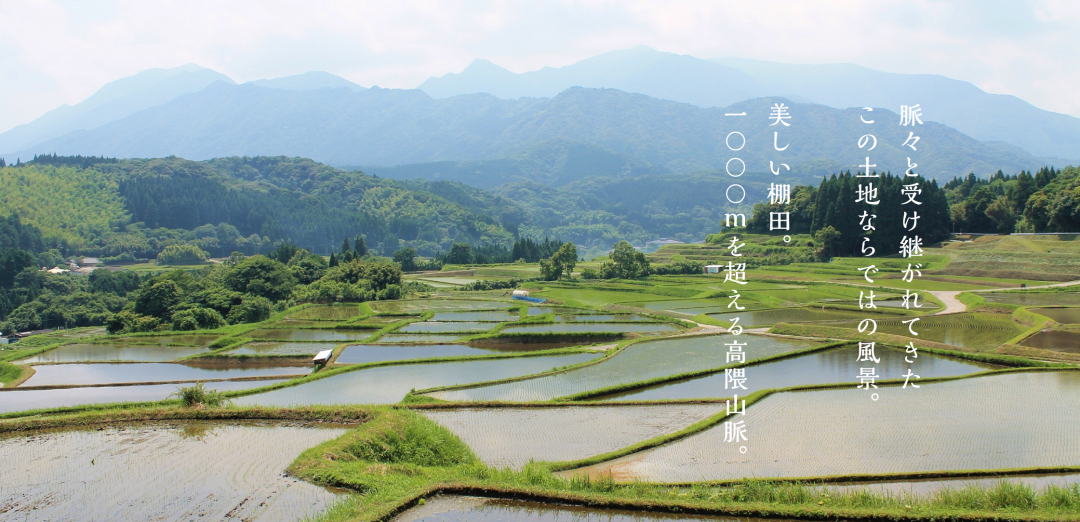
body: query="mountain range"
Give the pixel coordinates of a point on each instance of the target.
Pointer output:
(625, 113)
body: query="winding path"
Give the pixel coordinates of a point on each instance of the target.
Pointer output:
(952, 304)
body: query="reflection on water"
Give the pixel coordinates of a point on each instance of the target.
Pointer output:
(592, 327)
(1061, 315)
(436, 327)
(368, 353)
(1056, 340)
(310, 335)
(477, 509)
(831, 366)
(106, 373)
(789, 315)
(1033, 298)
(166, 472)
(114, 352)
(23, 400)
(925, 487)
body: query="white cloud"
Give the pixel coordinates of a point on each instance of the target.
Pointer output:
(54, 52)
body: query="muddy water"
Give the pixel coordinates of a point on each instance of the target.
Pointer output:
(511, 437)
(165, 472)
(925, 487)
(310, 335)
(477, 509)
(498, 317)
(1033, 298)
(279, 348)
(327, 313)
(105, 373)
(1055, 340)
(592, 327)
(603, 318)
(436, 327)
(419, 338)
(23, 400)
(114, 352)
(189, 340)
(785, 315)
(824, 367)
(1061, 315)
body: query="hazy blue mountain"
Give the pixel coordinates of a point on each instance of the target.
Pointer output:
(394, 127)
(555, 162)
(958, 104)
(307, 82)
(639, 70)
(112, 102)
(668, 76)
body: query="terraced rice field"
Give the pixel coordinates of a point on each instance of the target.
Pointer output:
(591, 327)
(496, 317)
(14, 399)
(436, 327)
(282, 334)
(184, 340)
(278, 348)
(1033, 298)
(637, 362)
(369, 353)
(925, 487)
(603, 318)
(976, 331)
(114, 352)
(424, 305)
(825, 367)
(1005, 421)
(477, 509)
(792, 315)
(327, 313)
(107, 373)
(511, 437)
(173, 472)
(1055, 340)
(1061, 315)
(389, 384)
(420, 338)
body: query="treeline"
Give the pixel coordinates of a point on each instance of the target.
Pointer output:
(832, 204)
(523, 249)
(1047, 200)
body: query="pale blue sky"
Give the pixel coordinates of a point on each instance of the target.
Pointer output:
(54, 52)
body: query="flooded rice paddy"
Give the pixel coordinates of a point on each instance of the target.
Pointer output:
(186, 340)
(1055, 340)
(568, 327)
(824, 367)
(926, 487)
(14, 399)
(1061, 315)
(790, 315)
(511, 437)
(602, 318)
(420, 338)
(327, 313)
(369, 353)
(114, 352)
(424, 305)
(436, 327)
(389, 384)
(1017, 420)
(166, 472)
(107, 373)
(496, 317)
(278, 348)
(477, 509)
(1032, 298)
(637, 362)
(310, 335)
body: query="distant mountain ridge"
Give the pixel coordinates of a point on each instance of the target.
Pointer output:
(721, 82)
(394, 127)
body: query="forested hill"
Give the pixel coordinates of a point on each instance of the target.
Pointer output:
(246, 204)
(395, 127)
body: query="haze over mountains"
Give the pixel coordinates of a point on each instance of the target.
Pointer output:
(626, 113)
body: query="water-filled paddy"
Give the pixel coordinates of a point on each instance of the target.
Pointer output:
(389, 384)
(601, 318)
(15, 399)
(279, 348)
(188, 340)
(369, 353)
(511, 437)
(591, 327)
(174, 472)
(954, 425)
(434, 327)
(792, 315)
(837, 365)
(1061, 315)
(1032, 298)
(1055, 340)
(637, 362)
(496, 317)
(419, 338)
(106, 373)
(476, 509)
(327, 313)
(114, 352)
(977, 331)
(926, 487)
(310, 335)
(423, 305)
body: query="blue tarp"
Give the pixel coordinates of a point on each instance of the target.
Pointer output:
(530, 299)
